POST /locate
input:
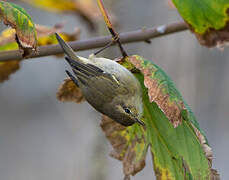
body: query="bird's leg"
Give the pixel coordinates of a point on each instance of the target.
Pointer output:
(114, 40)
(105, 47)
(116, 37)
(123, 52)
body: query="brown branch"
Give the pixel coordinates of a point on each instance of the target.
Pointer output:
(144, 34)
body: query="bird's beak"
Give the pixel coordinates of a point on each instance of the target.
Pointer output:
(139, 122)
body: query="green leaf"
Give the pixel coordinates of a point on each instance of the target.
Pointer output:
(18, 19)
(179, 148)
(208, 19)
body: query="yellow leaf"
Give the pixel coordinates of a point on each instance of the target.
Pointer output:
(86, 9)
(53, 5)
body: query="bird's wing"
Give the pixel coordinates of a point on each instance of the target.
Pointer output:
(95, 78)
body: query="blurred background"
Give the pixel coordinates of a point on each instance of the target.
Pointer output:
(44, 139)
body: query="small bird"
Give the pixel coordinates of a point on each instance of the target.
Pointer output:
(109, 87)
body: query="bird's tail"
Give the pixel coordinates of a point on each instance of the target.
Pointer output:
(67, 49)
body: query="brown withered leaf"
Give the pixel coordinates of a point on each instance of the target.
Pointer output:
(69, 92)
(46, 31)
(128, 144)
(51, 38)
(8, 68)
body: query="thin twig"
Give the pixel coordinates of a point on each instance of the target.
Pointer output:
(114, 34)
(144, 34)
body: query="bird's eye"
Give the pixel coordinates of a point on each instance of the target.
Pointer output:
(127, 110)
